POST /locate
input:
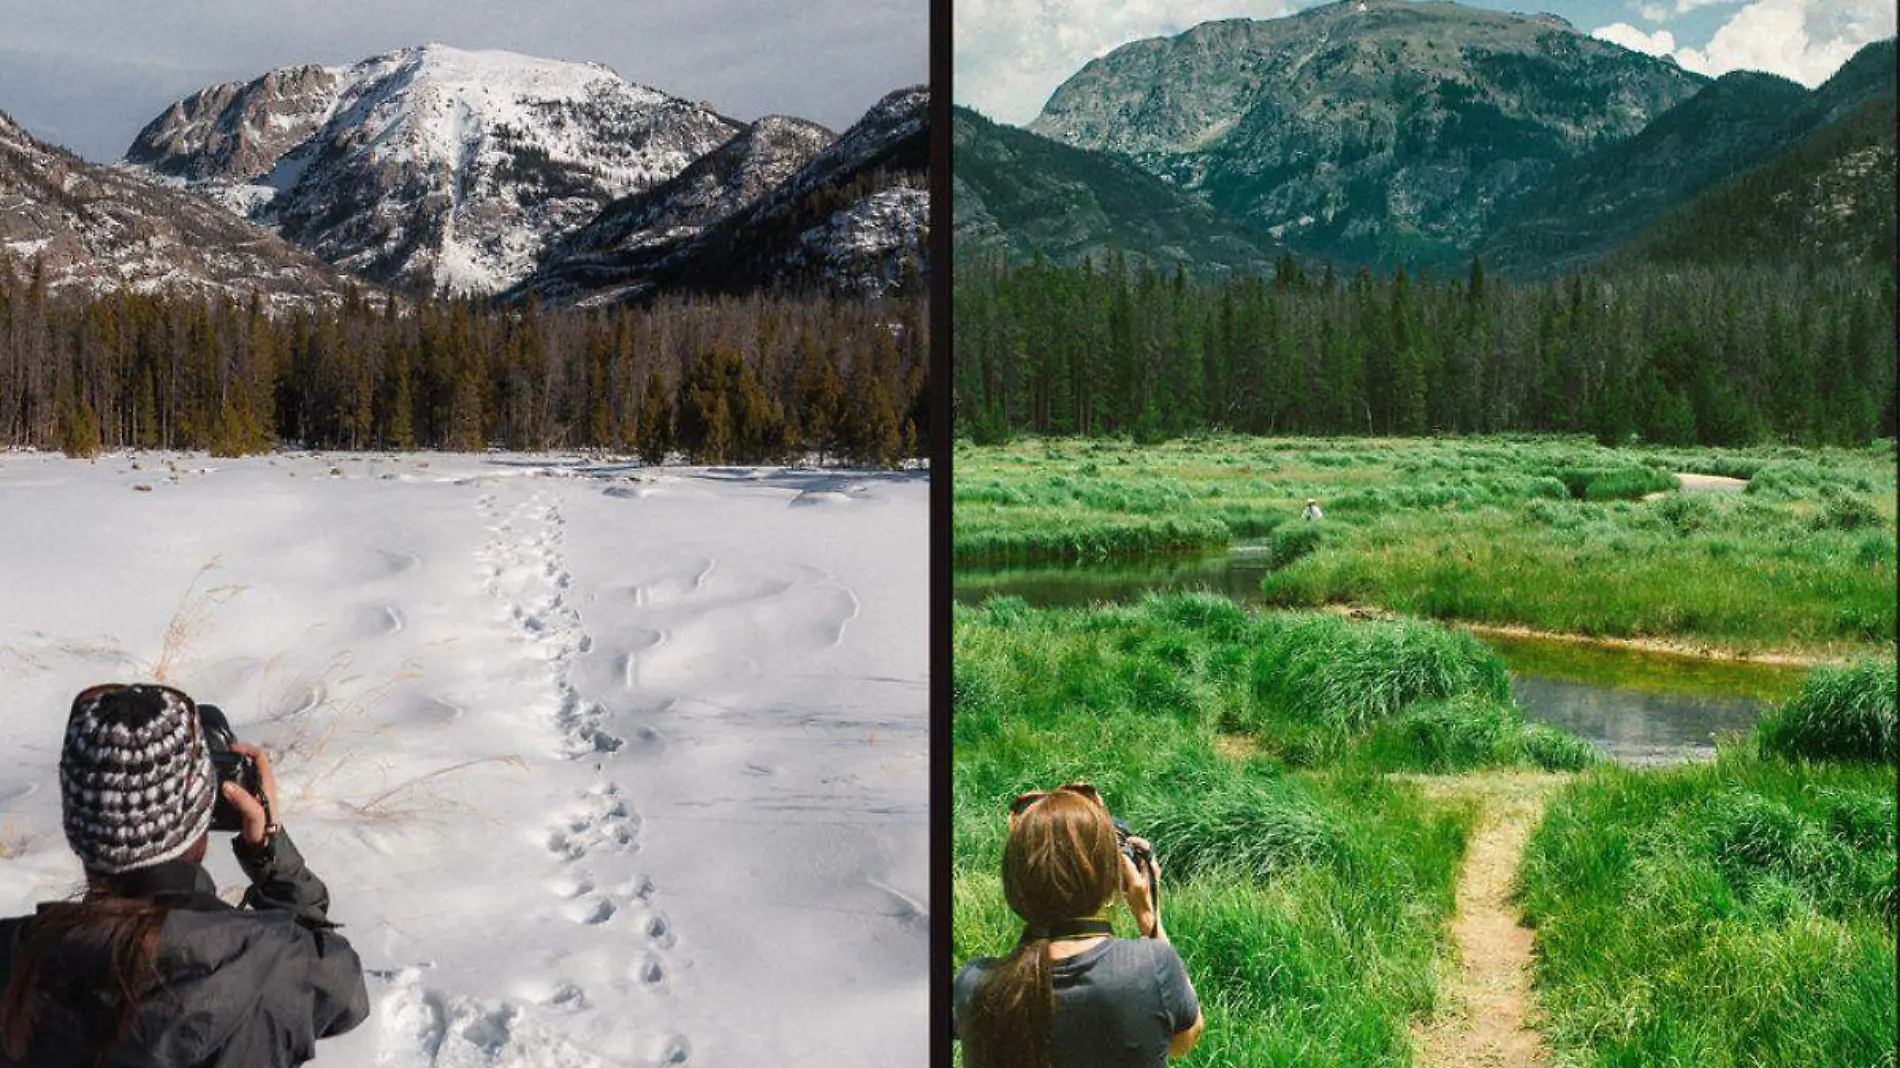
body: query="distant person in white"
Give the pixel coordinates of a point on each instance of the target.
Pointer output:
(1312, 512)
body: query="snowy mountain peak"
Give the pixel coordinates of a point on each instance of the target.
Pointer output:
(491, 70)
(432, 168)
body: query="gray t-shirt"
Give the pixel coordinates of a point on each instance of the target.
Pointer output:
(1117, 1003)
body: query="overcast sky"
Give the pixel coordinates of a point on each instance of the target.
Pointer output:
(88, 74)
(1011, 54)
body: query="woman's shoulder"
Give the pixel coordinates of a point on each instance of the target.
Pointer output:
(1130, 960)
(1142, 949)
(213, 937)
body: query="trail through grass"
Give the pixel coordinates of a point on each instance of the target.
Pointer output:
(1485, 1015)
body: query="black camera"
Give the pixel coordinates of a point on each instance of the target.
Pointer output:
(231, 766)
(1124, 837)
(1141, 854)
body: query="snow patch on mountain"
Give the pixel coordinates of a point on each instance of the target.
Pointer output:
(875, 245)
(431, 168)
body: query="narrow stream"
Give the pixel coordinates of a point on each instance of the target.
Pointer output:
(1649, 708)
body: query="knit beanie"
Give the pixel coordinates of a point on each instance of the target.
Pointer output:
(135, 777)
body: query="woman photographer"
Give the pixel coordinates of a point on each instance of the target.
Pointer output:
(1071, 995)
(149, 967)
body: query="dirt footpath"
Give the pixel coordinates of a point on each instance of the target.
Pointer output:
(1486, 1016)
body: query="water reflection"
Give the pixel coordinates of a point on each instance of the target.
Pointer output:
(1633, 726)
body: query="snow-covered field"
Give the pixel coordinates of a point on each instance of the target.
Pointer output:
(603, 766)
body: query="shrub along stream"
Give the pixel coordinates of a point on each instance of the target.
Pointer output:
(1738, 913)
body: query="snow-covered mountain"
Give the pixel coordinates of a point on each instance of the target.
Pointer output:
(99, 229)
(853, 219)
(431, 168)
(717, 184)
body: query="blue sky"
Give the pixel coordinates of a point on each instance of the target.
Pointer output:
(88, 74)
(1011, 54)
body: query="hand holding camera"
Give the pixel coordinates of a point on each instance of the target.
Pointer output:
(1141, 880)
(247, 788)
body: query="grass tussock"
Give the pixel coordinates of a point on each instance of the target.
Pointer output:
(1359, 672)
(1307, 904)
(1740, 913)
(1472, 731)
(1844, 713)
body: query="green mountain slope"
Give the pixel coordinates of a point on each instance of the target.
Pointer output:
(1017, 196)
(1596, 202)
(1745, 121)
(1829, 200)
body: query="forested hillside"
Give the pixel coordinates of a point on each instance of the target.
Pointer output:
(733, 380)
(1684, 356)
(1830, 199)
(1018, 196)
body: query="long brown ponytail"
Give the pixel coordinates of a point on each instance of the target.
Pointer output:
(96, 955)
(1060, 863)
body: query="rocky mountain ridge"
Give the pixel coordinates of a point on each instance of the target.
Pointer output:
(1745, 122)
(852, 218)
(1381, 131)
(92, 229)
(713, 187)
(433, 169)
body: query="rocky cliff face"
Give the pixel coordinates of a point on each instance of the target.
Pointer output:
(95, 229)
(237, 131)
(432, 169)
(1370, 130)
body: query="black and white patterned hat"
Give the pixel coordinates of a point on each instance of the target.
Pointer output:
(135, 777)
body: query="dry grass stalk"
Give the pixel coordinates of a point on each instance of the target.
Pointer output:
(194, 611)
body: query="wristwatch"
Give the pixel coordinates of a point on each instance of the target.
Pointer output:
(261, 854)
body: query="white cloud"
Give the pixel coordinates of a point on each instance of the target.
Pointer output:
(1660, 43)
(1011, 54)
(1653, 12)
(1683, 7)
(1806, 40)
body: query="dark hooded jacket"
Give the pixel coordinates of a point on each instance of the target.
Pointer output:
(251, 987)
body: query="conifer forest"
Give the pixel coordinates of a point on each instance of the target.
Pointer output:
(748, 379)
(1684, 355)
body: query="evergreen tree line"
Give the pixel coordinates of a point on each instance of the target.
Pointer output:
(1682, 356)
(728, 380)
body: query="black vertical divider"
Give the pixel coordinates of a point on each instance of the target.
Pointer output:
(941, 414)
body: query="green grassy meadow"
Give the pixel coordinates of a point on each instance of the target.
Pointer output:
(1549, 533)
(1313, 780)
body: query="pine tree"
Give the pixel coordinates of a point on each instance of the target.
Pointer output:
(818, 392)
(871, 434)
(708, 395)
(655, 436)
